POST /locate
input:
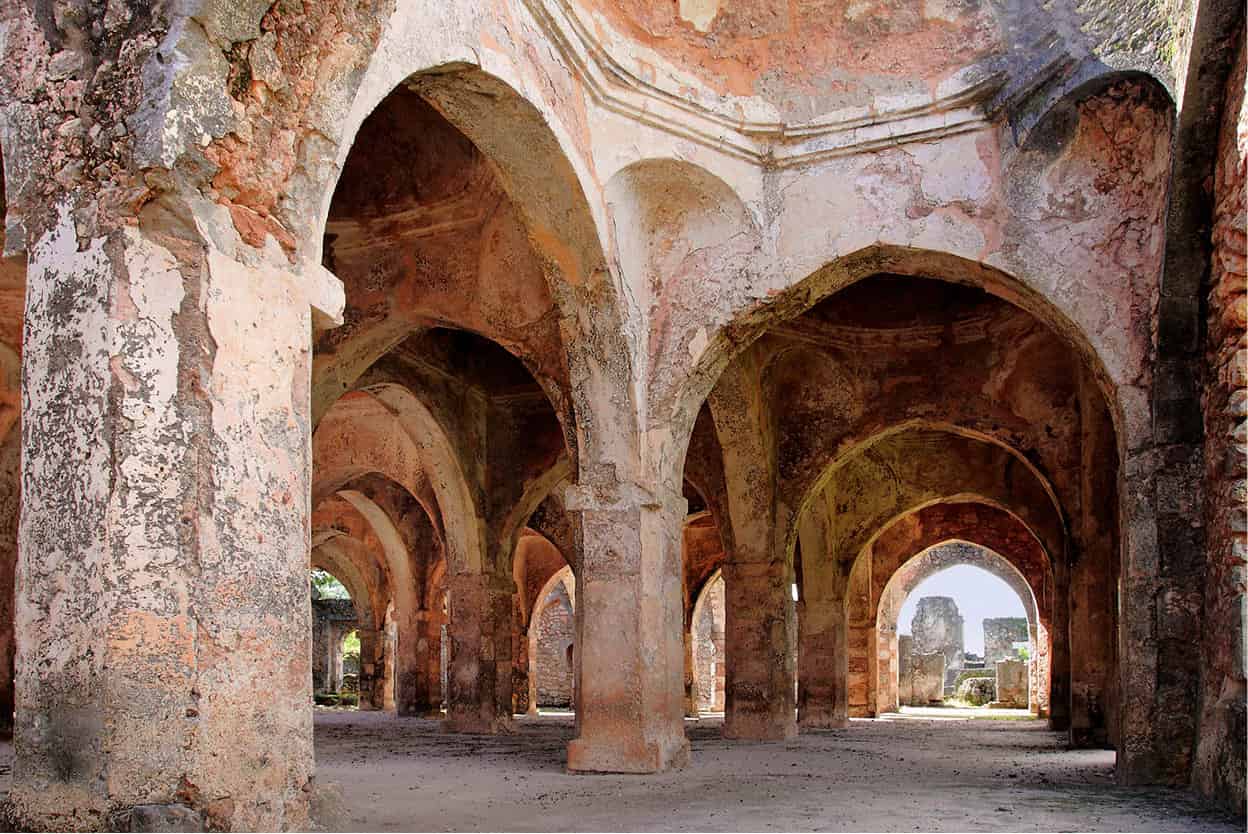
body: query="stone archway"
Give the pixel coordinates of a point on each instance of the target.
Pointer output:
(984, 525)
(552, 645)
(925, 564)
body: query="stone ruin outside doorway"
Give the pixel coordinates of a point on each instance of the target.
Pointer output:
(938, 626)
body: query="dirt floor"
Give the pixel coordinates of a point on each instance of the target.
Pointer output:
(935, 769)
(939, 769)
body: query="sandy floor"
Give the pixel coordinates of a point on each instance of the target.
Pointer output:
(927, 770)
(921, 771)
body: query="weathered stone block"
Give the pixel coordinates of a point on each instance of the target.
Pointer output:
(1011, 684)
(172, 817)
(977, 691)
(1000, 635)
(927, 682)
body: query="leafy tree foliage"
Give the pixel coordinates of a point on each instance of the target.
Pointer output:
(326, 586)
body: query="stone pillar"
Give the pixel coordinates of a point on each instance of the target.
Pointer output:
(629, 651)
(823, 667)
(10, 475)
(478, 698)
(1090, 658)
(371, 660)
(691, 678)
(520, 662)
(391, 644)
(758, 574)
(333, 663)
(320, 653)
(888, 670)
(823, 683)
(531, 679)
(417, 664)
(721, 672)
(166, 490)
(863, 652)
(1059, 653)
(522, 683)
(759, 613)
(1093, 582)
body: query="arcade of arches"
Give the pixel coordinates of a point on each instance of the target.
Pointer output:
(629, 359)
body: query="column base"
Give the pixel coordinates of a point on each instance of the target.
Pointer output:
(1089, 738)
(586, 756)
(822, 721)
(761, 729)
(418, 710)
(473, 725)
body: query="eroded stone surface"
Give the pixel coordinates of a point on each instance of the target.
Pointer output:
(449, 299)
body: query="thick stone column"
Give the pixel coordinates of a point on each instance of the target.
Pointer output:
(530, 640)
(823, 665)
(1093, 582)
(1091, 654)
(522, 683)
(164, 533)
(629, 650)
(758, 636)
(411, 687)
(1059, 657)
(390, 640)
(888, 669)
(10, 475)
(758, 575)
(479, 677)
(692, 695)
(333, 677)
(418, 664)
(1144, 757)
(372, 658)
(823, 685)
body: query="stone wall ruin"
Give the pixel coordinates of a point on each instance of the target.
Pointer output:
(450, 297)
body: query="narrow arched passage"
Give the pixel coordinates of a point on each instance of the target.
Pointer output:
(895, 611)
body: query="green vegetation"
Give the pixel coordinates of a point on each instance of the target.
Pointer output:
(351, 644)
(327, 587)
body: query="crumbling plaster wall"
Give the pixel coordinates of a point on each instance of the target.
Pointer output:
(1219, 768)
(70, 97)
